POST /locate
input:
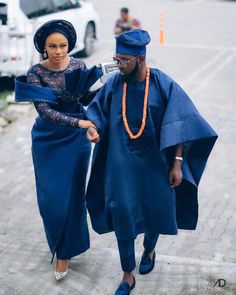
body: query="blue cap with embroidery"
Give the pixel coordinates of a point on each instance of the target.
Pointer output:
(132, 42)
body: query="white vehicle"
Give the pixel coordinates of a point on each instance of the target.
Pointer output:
(3, 12)
(19, 19)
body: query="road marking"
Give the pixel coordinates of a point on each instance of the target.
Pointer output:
(214, 73)
(206, 66)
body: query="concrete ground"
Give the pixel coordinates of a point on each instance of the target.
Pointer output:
(199, 53)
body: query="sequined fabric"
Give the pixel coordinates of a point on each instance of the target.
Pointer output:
(40, 75)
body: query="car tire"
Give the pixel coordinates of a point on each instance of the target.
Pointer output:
(89, 41)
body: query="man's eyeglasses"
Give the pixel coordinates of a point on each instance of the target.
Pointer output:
(122, 61)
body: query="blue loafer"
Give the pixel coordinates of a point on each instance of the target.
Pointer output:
(147, 264)
(125, 288)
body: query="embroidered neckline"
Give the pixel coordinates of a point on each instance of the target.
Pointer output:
(57, 71)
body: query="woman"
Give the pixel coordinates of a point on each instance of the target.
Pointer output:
(60, 149)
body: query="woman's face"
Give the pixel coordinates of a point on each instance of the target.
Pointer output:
(56, 46)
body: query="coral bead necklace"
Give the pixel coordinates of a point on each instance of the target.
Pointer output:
(145, 104)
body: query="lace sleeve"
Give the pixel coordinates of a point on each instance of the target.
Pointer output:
(44, 110)
(33, 77)
(47, 113)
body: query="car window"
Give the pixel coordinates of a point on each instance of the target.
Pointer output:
(36, 8)
(65, 4)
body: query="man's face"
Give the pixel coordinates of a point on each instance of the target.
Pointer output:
(124, 16)
(129, 66)
(126, 63)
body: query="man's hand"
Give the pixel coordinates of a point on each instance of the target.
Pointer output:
(175, 175)
(93, 135)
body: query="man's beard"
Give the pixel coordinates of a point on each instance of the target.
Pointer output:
(130, 77)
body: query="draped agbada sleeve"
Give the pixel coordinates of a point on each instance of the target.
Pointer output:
(98, 110)
(182, 123)
(99, 113)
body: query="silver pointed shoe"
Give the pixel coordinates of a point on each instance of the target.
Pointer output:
(60, 275)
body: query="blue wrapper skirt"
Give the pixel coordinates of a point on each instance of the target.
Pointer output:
(61, 158)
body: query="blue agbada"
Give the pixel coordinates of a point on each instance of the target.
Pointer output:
(61, 157)
(129, 190)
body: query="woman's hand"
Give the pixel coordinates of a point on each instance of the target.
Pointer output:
(93, 135)
(86, 124)
(175, 175)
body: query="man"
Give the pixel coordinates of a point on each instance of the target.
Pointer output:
(152, 150)
(126, 22)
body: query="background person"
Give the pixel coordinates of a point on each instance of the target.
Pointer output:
(126, 22)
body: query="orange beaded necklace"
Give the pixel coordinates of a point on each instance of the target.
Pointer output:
(145, 103)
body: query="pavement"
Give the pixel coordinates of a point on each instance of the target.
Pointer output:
(199, 53)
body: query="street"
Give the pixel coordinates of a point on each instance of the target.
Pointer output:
(200, 54)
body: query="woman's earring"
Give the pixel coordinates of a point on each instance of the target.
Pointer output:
(45, 55)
